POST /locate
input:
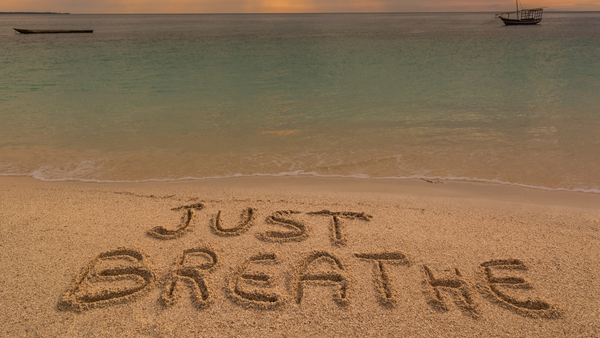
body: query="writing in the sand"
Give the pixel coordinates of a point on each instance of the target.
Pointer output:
(125, 274)
(290, 229)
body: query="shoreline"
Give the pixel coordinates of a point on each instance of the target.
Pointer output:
(423, 187)
(296, 257)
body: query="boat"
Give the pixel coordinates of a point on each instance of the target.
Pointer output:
(531, 16)
(51, 31)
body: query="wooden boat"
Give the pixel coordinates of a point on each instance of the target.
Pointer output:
(50, 31)
(522, 17)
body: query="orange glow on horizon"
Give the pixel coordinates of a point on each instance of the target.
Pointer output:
(284, 6)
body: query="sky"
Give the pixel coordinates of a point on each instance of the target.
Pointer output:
(285, 6)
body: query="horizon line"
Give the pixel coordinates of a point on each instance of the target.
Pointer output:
(267, 13)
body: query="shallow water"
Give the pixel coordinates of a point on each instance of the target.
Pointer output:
(436, 95)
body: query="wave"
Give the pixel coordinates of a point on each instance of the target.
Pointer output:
(38, 174)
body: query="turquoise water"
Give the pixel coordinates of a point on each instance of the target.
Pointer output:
(436, 95)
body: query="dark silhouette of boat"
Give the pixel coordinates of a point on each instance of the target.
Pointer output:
(51, 31)
(521, 17)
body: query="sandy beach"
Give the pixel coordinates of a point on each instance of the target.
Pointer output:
(297, 257)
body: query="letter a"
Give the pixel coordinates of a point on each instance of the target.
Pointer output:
(335, 276)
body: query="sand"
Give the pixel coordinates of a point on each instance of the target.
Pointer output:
(297, 257)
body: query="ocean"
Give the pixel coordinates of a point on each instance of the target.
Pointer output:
(453, 96)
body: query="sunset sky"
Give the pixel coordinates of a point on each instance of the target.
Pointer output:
(285, 6)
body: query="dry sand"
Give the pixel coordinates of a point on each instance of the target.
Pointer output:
(297, 257)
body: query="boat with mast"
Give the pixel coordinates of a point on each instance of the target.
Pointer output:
(522, 17)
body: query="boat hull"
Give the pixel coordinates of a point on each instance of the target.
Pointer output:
(51, 31)
(510, 22)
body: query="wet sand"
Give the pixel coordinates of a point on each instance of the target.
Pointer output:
(297, 257)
